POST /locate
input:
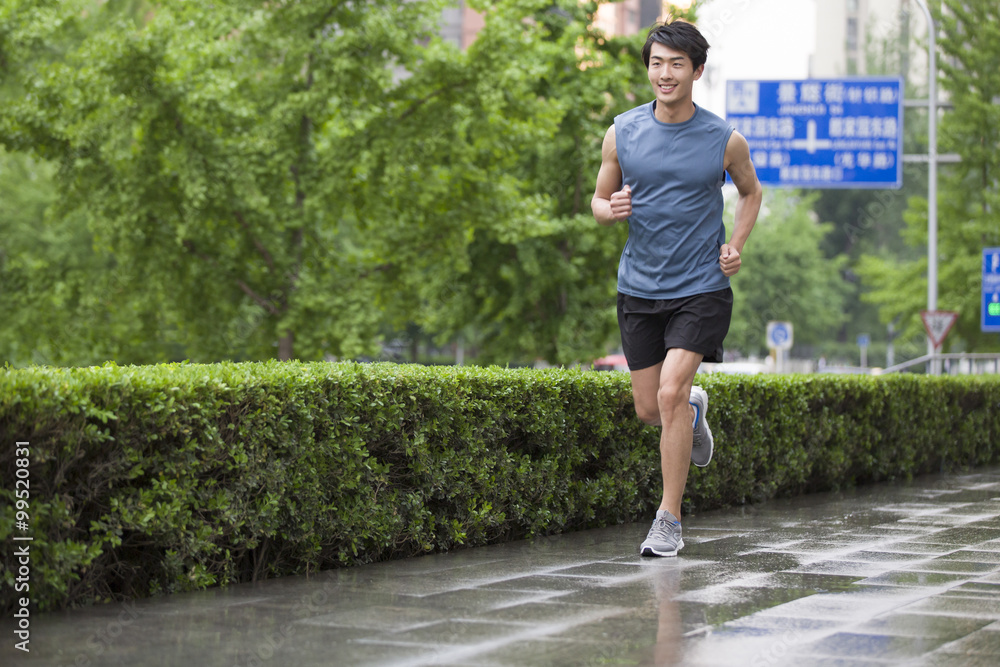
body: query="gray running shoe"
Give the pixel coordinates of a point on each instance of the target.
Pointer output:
(702, 445)
(664, 538)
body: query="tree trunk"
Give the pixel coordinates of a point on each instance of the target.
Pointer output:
(285, 344)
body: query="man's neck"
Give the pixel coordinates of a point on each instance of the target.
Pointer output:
(674, 113)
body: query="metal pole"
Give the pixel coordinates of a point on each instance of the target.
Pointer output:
(932, 268)
(890, 350)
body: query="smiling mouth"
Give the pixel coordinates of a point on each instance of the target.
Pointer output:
(667, 89)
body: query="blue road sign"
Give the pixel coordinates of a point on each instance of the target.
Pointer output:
(779, 335)
(991, 290)
(822, 133)
(864, 340)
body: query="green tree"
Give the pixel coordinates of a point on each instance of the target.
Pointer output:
(969, 192)
(270, 174)
(291, 178)
(870, 222)
(63, 300)
(218, 152)
(488, 112)
(785, 276)
(547, 290)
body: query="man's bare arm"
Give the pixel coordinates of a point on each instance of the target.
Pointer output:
(610, 203)
(741, 170)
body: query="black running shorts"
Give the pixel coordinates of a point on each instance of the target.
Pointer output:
(696, 323)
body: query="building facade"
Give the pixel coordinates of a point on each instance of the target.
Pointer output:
(850, 34)
(460, 24)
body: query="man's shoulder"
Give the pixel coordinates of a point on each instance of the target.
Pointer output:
(711, 120)
(633, 115)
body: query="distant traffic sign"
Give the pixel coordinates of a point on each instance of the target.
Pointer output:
(864, 340)
(779, 335)
(822, 133)
(991, 290)
(938, 323)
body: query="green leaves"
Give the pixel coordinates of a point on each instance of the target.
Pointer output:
(194, 142)
(969, 197)
(311, 175)
(785, 276)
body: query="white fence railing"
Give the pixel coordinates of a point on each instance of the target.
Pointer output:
(959, 363)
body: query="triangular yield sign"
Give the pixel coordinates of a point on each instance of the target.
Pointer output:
(938, 323)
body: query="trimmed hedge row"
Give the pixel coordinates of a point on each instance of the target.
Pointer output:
(154, 479)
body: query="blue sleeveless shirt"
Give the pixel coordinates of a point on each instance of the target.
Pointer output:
(675, 231)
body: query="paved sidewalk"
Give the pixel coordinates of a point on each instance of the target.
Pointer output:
(889, 574)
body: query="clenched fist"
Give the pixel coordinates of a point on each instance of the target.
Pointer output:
(621, 203)
(729, 260)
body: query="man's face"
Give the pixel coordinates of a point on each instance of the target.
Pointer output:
(672, 75)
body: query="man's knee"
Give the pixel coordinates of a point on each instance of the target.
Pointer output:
(648, 414)
(671, 397)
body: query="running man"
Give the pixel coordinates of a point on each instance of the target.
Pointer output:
(663, 165)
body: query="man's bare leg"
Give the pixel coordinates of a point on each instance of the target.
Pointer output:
(661, 395)
(676, 418)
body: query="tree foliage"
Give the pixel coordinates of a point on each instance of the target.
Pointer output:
(290, 179)
(785, 276)
(206, 148)
(870, 222)
(969, 192)
(293, 179)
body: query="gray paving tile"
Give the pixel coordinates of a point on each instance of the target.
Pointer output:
(462, 632)
(977, 588)
(794, 625)
(823, 661)
(389, 619)
(848, 607)
(974, 555)
(540, 612)
(895, 558)
(473, 600)
(957, 606)
(603, 571)
(901, 624)
(942, 659)
(983, 642)
(969, 536)
(817, 583)
(916, 579)
(847, 568)
(640, 626)
(534, 582)
(564, 653)
(734, 645)
(954, 566)
(866, 646)
(915, 546)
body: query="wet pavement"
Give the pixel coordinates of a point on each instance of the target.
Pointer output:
(887, 574)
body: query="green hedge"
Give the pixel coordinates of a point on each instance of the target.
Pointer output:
(145, 480)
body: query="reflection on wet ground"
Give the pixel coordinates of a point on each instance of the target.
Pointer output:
(889, 574)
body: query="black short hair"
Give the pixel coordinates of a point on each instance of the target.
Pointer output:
(680, 36)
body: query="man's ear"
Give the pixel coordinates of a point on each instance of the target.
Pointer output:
(698, 72)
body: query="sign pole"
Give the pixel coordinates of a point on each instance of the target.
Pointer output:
(932, 268)
(779, 338)
(864, 340)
